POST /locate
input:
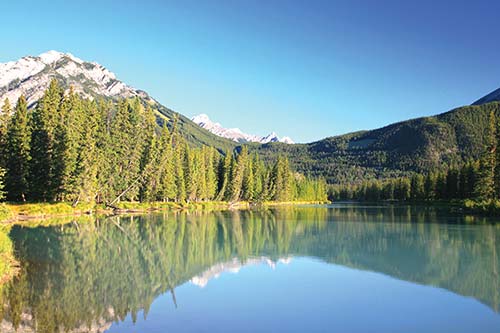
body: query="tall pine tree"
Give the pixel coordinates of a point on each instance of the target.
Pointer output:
(18, 153)
(485, 187)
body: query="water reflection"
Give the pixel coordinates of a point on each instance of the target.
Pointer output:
(84, 275)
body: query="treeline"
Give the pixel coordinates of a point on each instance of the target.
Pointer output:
(453, 183)
(478, 180)
(72, 149)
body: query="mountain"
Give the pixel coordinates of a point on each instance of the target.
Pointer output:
(491, 97)
(417, 145)
(31, 75)
(236, 134)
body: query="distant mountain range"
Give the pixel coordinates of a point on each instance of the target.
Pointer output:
(420, 144)
(236, 134)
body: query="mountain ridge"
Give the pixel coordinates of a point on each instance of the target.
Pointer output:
(494, 96)
(236, 134)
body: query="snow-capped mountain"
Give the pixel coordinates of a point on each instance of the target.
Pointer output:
(31, 75)
(236, 134)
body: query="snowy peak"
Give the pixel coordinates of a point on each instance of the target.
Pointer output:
(31, 75)
(236, 134)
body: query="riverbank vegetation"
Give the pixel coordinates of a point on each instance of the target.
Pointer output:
(70, 149)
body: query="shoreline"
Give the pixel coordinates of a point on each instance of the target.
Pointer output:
(13, 213)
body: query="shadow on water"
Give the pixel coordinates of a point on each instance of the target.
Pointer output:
(82, 276)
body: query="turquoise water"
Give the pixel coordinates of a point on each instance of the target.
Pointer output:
(340, 268)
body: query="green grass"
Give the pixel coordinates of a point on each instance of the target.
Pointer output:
(484, 207)
(35, 212)
(44, 209)
(5, 212)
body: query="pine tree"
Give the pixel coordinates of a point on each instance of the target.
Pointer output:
(249, 182)
(168, 179)
(43, 124)
(485, 186)
(66, 148)
(430, 186)
(179, 173)
(88, 161)
(211, 162)
(280, 185)
(202, 190)
(258, 175)
(238, 174)
(225, 171)
(18, 153)
(417, 187)
(4, 122)
(126, 148)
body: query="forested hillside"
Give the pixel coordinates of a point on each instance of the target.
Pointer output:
(418, 145)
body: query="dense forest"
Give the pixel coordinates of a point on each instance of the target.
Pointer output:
(72, 149)
(476, 179)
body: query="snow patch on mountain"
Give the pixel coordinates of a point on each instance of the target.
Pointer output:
(236, 134)
(31, 75)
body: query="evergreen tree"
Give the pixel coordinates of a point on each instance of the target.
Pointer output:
(211, 174)
(249, 182)
(4, 122)
(18, 153)
(168, 179)
(430, 186)
(238, 174)
(225, 171)
(67, 140)
(485, 185)
(43, 123)
(417, 187)
(179, 173)
(258, 175)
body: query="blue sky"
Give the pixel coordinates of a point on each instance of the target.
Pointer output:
(306, 69)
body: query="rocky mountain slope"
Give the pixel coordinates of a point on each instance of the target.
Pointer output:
(236, 134)
(31, 75)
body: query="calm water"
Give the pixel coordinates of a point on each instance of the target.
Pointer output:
(303, 269)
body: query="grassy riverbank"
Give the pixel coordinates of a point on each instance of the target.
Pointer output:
(18, 212)
(485, 207)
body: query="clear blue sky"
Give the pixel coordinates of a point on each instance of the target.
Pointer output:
(306, 69)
